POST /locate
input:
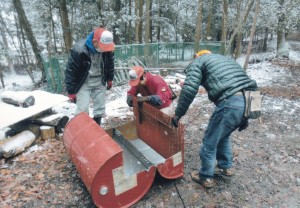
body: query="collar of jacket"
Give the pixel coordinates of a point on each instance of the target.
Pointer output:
(89, 43)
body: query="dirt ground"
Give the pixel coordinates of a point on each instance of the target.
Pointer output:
(266, 162)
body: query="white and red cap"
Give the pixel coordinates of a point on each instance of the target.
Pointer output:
(104, 39)
(135, 74)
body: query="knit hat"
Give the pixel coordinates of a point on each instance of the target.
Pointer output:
(200, 53)
(135, 74)
(104, 39)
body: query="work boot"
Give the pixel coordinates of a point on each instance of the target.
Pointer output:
(225, 172)
(206, 182)
(97, 119)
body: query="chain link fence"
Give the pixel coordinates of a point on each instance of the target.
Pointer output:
(155, 55)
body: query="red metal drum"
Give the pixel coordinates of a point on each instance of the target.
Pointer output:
(99, 161)
(154, 128)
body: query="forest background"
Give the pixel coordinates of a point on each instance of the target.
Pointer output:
(32, 30)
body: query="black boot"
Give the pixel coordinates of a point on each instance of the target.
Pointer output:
(97, 119)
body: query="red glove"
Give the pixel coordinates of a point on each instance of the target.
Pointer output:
(109, 85)
(72, 98)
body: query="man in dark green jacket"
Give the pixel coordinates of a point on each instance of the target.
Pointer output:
(224, 79)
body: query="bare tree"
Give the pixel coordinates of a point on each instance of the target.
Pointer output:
(224, 24)
(240, 24)
(67, 33)
(257, 4)
(5, 43)
(237, 50)
(198, 26)
(282, 50)
(158, 28)
(128, 27)
(23, 48)
(147, 23)
(117, 10)
(209, 20)
(28, 31)
(139, 20)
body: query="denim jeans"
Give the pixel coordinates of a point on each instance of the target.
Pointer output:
(216, 145)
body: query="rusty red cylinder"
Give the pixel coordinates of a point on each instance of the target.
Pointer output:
(99, 161)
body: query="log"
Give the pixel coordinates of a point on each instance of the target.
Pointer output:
(16, 144)
(18, 98)
(24, 125)
(47, 132)
(6, 133)
(57, 120)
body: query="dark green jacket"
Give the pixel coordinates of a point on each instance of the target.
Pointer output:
(219, 75)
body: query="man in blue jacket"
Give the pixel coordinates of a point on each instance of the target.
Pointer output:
(224, 80)
(90, 71)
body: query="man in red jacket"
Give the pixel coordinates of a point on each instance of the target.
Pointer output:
(152, 88)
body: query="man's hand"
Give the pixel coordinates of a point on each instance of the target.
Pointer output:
(109, 85)
(175, 121)
(72, 98)
(142, 99)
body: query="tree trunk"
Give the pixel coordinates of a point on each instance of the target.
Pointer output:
(282, 49)
(52, 26)
(137, 21)
(147, 32)
(1, 77)
(128, 27)
(240, 25)
(237, 51)
(67, 34)
(140, 22)
(28, 31)
(224, 24)
(147, 23)
(5, 43)
(100, 7)
(198, 26)
(158, 26)
(23, 48)
(265, 44)
(117, 9)
(209, 20)
(257, 4)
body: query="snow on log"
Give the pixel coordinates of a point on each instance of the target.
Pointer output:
(16, 144)
(18, 98)
(58, 120)
(47, 132)
(6, 132)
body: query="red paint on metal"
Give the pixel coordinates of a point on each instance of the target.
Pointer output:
(97, 157)
(155, 129)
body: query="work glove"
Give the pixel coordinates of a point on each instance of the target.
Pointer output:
(175, 120)
(72, 98)
(129, 100)
(142, 99)
(109, 85)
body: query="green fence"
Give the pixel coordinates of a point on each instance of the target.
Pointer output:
(158, 54)
(155, 55)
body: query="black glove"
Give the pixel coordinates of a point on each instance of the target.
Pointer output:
(129, 100)
(175, 121)
(142, 99)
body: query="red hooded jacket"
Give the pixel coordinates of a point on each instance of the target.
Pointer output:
(156, 88)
